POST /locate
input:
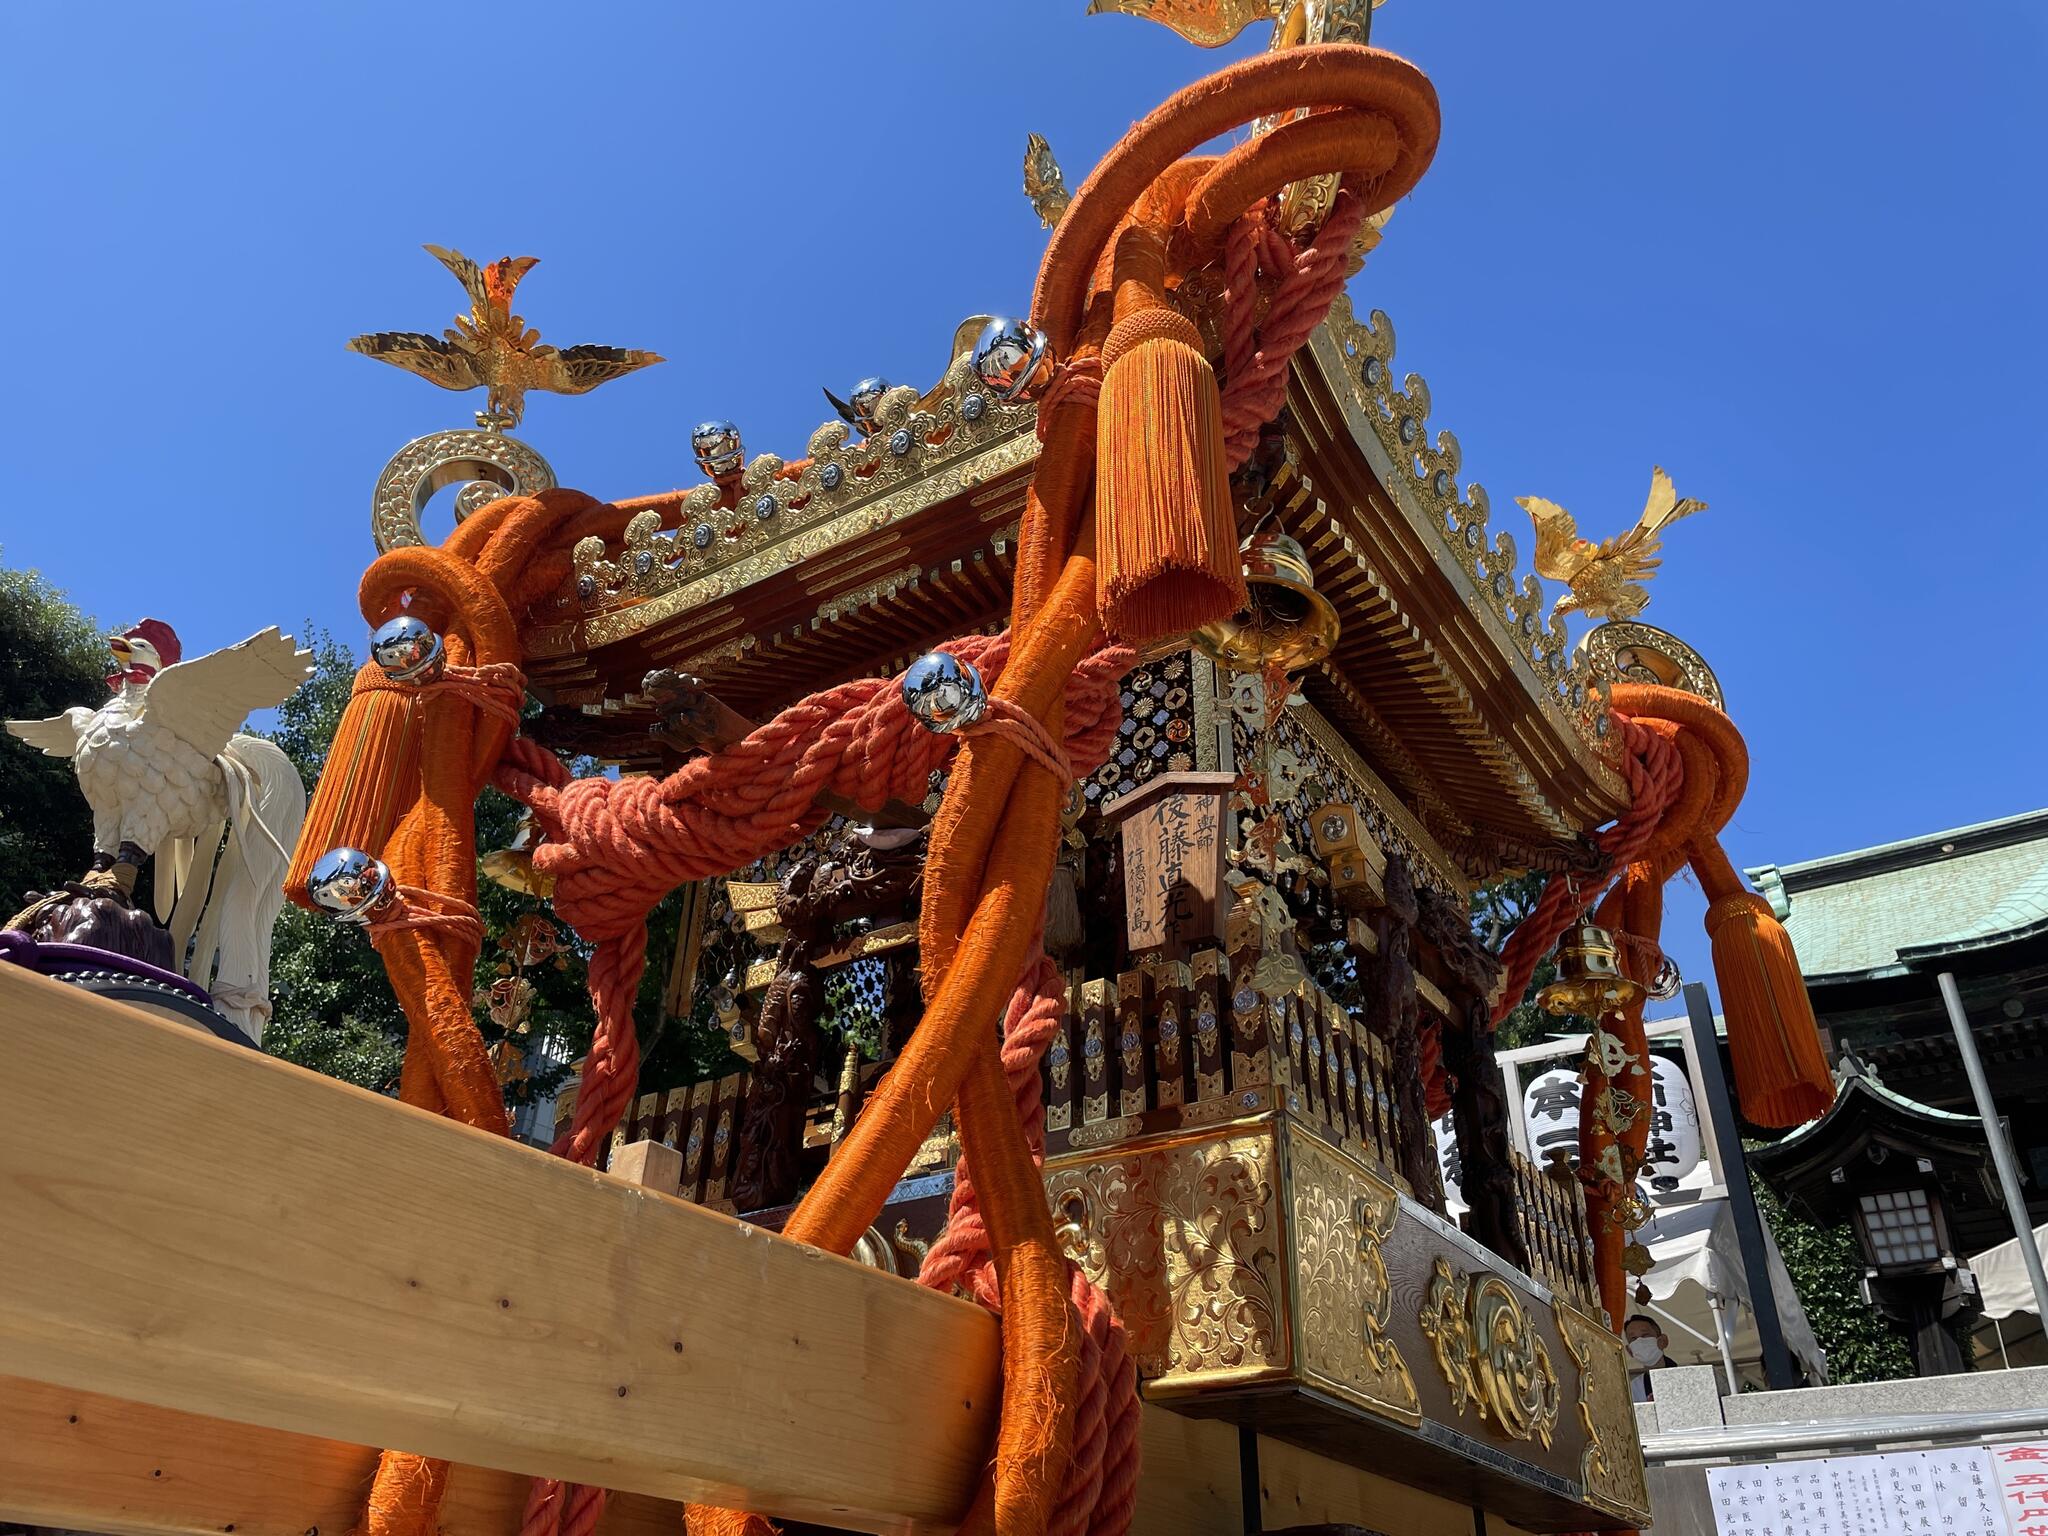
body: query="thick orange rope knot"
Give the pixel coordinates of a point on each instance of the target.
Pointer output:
(1021, 727)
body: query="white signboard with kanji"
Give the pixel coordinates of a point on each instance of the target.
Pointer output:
(1953, 1492)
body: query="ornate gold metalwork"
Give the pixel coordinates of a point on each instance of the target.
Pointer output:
(491, 348)
(1489, 1352)
(1605, 578)
(1341, 1216)
(1626, 652)
(924, 451)
(1182, 1236)
(1044, 183)
(1303, 23)
(1286, 623)
(1589, 976)
(1611, 1467)
(486, 464)
(1393, 826)
(1358, 360)
(1205, 23)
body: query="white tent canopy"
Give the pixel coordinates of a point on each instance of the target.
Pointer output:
(1698, 1291)
(2002, 1276)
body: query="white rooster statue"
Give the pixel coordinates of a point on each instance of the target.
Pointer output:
(167, 775)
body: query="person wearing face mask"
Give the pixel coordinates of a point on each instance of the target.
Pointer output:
(1646, 1345)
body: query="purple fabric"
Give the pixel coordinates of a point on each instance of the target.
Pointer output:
(48, 959)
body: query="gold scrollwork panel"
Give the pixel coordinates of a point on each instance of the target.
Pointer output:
(1183, 1236)
(1341, 1215)
(1611, 1466)
(1489, 1352)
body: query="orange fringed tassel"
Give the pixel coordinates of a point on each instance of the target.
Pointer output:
(1781, 1077)
(1166, 528)
(372, 774)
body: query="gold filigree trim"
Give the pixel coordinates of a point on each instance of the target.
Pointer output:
(1611, 1466)
(1342, 1216)
(1625, 651)
(1489, 1353)
(1358, 360)
(1183, 1238)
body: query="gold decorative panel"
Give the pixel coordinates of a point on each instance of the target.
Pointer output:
(1184, 1238)
(1489, 1352)
(1611, 1466)
(1268, 1277)
(1341, 1215)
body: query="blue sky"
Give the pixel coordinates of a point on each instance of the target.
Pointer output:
(1792, 253)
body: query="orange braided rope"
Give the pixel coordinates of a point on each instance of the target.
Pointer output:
(1687, 768)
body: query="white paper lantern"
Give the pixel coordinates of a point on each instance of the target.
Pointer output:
(1550, 1108)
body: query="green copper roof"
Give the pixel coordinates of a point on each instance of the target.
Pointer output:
(1877, 910)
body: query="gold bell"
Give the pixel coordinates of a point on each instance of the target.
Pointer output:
(513, 867)
(1589, 979)
(1285, 623)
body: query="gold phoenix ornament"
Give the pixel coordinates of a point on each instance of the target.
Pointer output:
(1212, 23)
(1605, 579)
(1044, 183)
(492, 349)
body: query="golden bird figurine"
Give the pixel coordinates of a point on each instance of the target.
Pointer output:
(1205, 23)
(1044, 183)
(1605, 579)
(492, 348)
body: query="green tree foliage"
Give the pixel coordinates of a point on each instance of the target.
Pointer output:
(1823, 1262)
(334, 1009)
(52, 656)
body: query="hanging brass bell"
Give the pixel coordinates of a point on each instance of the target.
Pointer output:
(1589, 979)
(512, 867)
(1286, 622)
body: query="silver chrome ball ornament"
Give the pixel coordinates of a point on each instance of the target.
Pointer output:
(944, 693)
(1014, 359)
(408, 650)
(349, 884)
(717, 446)
(866, 399)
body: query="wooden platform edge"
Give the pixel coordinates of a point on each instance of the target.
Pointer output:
(72, 1460)
(200, 1228)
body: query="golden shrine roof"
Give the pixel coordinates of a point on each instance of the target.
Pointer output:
(1451, 678)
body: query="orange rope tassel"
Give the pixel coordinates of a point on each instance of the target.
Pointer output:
(1166, 529)
(371, 775)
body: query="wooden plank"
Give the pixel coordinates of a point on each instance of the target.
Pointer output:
(267, 1246)
(1189, 1483)
(72, 1460)
(1298, 1487)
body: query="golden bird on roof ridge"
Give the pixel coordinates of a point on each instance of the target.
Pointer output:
(493, 349)
(1605, 578)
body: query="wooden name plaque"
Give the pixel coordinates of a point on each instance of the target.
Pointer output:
(1174, 857)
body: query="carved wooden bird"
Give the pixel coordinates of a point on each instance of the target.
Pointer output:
(1605, 579)
(491, 347)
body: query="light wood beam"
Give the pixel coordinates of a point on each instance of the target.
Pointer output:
(72, 1460)
(196, 1226)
